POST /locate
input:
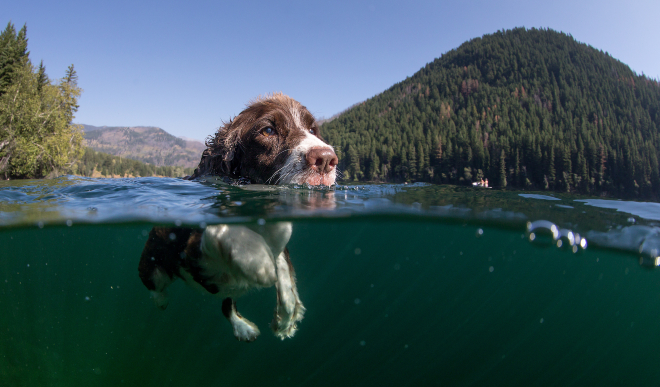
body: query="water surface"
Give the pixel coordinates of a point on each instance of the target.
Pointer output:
(403, 285)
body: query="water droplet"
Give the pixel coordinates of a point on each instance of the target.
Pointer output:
(358, 251)
(397, 266)
(583, 243)
(357, 301)
(363, 343)
(177, 223)
(261, 222)
(491, 269)
(541, 321)
(202, 224)
(69, 222)
(480, 232)
(40, 224)
(172, 236)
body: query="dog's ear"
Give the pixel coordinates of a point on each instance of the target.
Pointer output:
(224, 149)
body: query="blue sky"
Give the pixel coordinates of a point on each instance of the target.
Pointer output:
(187, 66)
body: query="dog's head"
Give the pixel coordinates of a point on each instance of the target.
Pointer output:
(275, 140)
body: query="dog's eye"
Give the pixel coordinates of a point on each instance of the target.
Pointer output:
(312, 131)
(268, 131)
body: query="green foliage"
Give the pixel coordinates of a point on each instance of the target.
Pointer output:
(529, 108)
(113, 166)
(37, 137)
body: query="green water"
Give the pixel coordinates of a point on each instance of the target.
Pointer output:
(405, 294)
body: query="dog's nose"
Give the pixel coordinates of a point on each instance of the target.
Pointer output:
(322, 159)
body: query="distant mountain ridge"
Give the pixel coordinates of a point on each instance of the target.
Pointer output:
(148, 144)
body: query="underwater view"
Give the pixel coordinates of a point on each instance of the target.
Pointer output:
(402, 285)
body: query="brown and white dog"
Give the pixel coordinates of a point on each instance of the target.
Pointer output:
(275, 140)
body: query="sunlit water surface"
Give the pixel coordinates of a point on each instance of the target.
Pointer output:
(404, 285)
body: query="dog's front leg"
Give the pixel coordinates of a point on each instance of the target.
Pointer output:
(289, 309)
(244, 329)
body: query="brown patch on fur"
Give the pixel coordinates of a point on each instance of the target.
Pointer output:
(163, 250)
(170, 249)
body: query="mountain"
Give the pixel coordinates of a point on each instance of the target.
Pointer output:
(144, 143)
(524, 108)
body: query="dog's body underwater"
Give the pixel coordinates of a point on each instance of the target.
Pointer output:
(275, 140)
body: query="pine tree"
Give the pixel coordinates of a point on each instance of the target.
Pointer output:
(502, 175)
(42, 78)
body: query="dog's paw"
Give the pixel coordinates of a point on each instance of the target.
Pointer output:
(244, 329)
(161, 300)
(284, 325)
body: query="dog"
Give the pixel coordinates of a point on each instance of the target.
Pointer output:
(275, 140)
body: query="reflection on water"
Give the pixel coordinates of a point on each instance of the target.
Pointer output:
(644, 210)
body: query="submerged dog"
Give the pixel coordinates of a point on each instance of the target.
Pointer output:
(275, 140)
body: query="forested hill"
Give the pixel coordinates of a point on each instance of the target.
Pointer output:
(523, 108)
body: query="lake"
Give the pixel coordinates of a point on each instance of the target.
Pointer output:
(404, 285)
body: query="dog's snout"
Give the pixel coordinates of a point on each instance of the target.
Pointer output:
(323, 160)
